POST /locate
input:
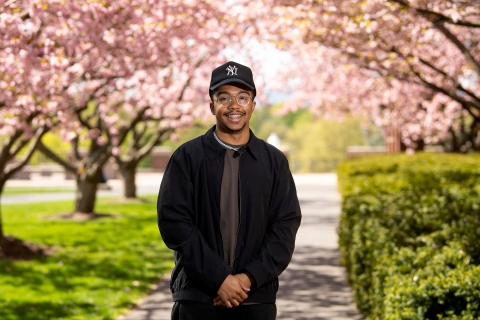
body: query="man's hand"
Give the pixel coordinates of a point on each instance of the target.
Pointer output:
(232, 292)
(246, 279)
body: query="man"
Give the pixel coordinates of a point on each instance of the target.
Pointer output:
(228, 208)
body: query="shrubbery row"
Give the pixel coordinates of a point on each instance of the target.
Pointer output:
(410, 235)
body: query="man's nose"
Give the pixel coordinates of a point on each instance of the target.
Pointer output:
(234, 104)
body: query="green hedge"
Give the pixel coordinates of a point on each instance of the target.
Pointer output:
(410, 235)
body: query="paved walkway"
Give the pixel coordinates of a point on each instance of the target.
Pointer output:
(314, 285)
(147, 184)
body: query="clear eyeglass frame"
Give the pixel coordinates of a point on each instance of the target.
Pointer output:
(225, 100)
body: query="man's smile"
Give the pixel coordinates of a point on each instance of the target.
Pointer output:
(234, 116)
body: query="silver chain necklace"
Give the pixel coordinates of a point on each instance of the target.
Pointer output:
(223, 144)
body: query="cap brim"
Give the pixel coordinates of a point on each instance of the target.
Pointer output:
(232, 80)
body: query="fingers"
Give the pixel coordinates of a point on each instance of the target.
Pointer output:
(245, 280)
(231, 293)
(233, 302)
(218, 302)
(229, 304)
(243, 293)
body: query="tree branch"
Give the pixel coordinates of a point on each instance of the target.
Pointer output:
(98, 159)
(15, 167)
(439, 20)
(132, 125)
(83, 122)
(458, 86)
(431, 66)
(470, 94)
(450, 36)
(435, 17)
(49, 153)
(465, 103)
(147, 148)
(5, 155)
(75, 148)
(137, 136)
(96, 152)
(187, 83)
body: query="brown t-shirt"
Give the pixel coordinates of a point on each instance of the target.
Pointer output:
(229, 205)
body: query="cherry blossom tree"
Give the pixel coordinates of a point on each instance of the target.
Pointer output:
(30, 96)
(120, 55)
(430, 47)
(333, 87)
(175, 96)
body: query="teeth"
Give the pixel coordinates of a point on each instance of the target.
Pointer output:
(235, 116)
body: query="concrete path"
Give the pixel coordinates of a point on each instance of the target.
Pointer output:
(147, 184)
(314, 285)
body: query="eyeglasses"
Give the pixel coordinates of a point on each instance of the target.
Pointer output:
(225, 100)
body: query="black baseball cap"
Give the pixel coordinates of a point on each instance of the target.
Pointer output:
(232, 72)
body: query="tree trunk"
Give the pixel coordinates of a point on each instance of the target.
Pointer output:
(128, 171)
(476, 139)
(86, 192)
(419, 144)
(2, 235)
(453, 141)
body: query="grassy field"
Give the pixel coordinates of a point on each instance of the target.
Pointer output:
(101, 267)
(28, 190)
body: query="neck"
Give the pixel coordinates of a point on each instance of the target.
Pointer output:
(233, 138)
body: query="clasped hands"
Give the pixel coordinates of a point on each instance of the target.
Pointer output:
(233, 290)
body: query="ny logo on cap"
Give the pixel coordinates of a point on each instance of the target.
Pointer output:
(232, 70)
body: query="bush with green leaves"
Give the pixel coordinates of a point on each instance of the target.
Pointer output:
(410, 235)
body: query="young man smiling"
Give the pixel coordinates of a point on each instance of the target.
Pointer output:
(228, 208)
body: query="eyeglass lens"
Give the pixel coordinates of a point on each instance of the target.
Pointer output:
(226, 100)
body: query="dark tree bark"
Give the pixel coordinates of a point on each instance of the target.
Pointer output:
(128, 172)
(419, 145)
(476, 138)
(140, 146)
(86, 196)
(453, 141)
(466, 138)
(2, 235)
(86, 168)
(10, 164)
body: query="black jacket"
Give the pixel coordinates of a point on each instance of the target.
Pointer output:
(189, 218)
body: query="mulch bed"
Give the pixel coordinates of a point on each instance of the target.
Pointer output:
(131, 200)
(80, 216)
(16, 249)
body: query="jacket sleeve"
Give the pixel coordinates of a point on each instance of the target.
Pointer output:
(176, 223)
(279, 241)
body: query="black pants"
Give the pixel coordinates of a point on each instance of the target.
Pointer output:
(201, 311)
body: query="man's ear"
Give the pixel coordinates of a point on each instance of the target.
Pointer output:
(212, 109)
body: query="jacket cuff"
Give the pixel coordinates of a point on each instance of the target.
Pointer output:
(256, 275)
(219, 275)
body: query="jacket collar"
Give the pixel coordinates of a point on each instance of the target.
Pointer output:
(214, 149)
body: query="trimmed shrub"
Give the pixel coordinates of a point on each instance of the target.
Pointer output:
(409, 235)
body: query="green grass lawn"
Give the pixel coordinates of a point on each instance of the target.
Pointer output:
(100, 269)
(28, 190)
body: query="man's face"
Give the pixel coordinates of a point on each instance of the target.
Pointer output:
(234, 118)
